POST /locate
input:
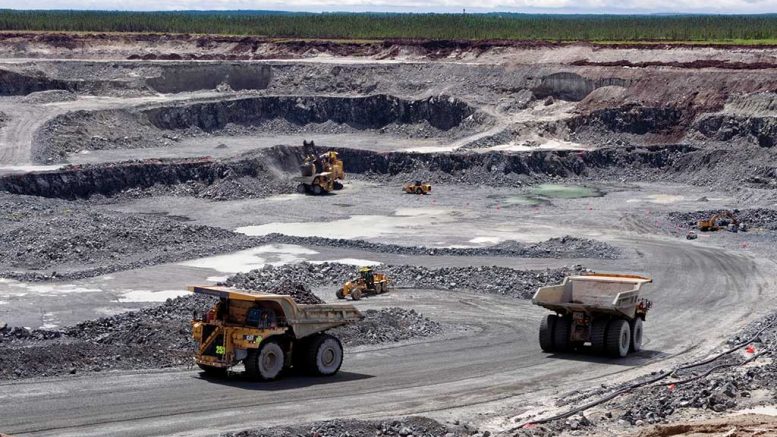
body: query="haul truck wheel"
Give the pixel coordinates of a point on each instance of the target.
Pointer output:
(547, 326)
(301, 188)
(339, 294)
(338, 185)
(618, 338)
(317, 190)
(598, 332)
(265, 363)
(356, 294)
(325, 355)
(636, 335)
(213, 371)
(561, 334)
(419, 191)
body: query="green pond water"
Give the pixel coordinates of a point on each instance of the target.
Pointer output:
(542, 194)
(557, 191)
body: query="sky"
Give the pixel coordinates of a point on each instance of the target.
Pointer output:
(528, 6)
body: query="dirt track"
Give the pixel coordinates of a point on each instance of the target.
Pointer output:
(522, 143)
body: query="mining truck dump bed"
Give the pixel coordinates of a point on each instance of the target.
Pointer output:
(603, 293)
(603, 311)
(304, 320)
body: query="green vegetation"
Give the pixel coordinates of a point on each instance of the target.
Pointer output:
(739, 29)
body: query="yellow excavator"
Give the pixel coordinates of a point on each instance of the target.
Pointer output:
(711, 224)
(368, 282)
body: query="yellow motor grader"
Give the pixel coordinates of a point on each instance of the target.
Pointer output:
(268, 333)
(368, 282)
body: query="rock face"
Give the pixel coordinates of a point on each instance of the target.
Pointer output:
(181, 78)
(571, 86)
(632, 119)
(371, 112)
(15, 84)
(164, 125)
(761, 131)
(680, 163)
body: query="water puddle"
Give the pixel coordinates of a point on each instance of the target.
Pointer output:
(558, 191)
(246, 260)
(403, 221)
(542, 194)
(661, 199)
(151, 296)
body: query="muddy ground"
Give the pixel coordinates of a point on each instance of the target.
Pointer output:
(128, 172)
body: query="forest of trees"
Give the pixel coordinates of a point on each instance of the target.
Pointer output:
(597, 28)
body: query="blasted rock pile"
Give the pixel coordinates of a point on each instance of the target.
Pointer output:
(561, 247)
(298, 291)
(491, 279)
(754, 218)
(721, 386)
(404, 427)
(49, 238)
(387, 325)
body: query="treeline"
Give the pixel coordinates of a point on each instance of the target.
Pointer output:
(610, 28)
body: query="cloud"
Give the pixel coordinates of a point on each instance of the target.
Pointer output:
(552, 6)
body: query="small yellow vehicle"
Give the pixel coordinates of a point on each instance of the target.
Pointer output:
(417, 187)
(268, 333)
(368, 282)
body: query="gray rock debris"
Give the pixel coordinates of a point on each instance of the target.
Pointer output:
(160, 336)
(403, 427)
(489, 279)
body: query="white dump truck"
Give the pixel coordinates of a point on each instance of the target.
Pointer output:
(602, 311)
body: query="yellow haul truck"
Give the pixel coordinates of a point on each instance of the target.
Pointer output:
(602, 310)
(268, 333)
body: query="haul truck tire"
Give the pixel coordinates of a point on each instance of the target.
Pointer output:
(339, 294)
(561, 334)
(266, 362)
(356, 294)
(213, 371)
(547, 326)
(618, 338)
(598, 335)
(324, 355)
(636, 335)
